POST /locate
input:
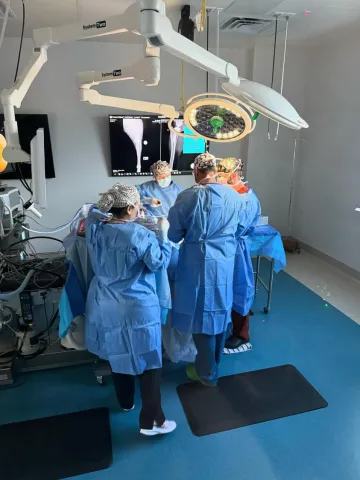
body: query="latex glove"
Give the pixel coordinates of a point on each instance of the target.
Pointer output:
(154, 202)
(163, 227)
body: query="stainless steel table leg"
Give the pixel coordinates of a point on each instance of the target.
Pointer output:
(257, 273)
(271, 281)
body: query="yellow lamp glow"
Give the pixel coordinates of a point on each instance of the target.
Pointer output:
(3, 163)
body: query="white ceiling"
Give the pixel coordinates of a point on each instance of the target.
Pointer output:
(323, 15)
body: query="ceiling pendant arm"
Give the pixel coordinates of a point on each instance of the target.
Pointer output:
(283, 71)
(273, 65)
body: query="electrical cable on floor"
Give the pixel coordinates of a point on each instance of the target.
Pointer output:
(16, 352)
(47, 319)
(22, 272)
(30, 268)
(34, 238)
(51, 323)
(38, 352)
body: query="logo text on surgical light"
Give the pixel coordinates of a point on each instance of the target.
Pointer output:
(101, 24)
(114, 73)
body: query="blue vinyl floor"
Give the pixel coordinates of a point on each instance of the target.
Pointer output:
(323, 445)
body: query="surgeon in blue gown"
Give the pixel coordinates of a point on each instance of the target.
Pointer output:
(122, 308)
(230, 172)
(206, 217)
(162, 189)
(159, 196)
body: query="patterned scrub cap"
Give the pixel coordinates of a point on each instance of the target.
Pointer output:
(160, 168)
(229, 165)
(119, 196)
(205, 160)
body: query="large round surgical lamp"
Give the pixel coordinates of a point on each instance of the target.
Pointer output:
(216, 118)
(219, 117)
(227, 118)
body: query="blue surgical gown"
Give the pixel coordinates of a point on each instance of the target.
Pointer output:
(167, 195)
(207, 218)
(122, 308)
(244, 289)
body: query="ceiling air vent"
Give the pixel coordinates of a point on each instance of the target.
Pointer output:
(246, 25)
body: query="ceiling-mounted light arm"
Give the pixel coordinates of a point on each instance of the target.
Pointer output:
(147, 70)
(273, 65)
(126, 22)
(146, 18)
(157, 29)
(95, 98)
(283, 70)
(12, 98)
(43, 38)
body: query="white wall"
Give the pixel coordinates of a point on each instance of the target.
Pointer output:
(270, 163)
(79, 132)
(328, 173)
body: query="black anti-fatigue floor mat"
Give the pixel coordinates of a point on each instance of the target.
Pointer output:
(248, 398)
(57, 447)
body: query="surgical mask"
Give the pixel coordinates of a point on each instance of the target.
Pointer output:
(164, 182)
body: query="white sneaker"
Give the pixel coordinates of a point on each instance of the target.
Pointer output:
(167, 427)
(128, 409)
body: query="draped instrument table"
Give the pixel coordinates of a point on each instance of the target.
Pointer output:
(265, 241)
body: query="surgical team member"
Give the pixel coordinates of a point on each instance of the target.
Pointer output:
(159, 196)
(230, 170)
(122, 309)
(161, 188)
(206, 216)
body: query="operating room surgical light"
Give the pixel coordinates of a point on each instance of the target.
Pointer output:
(217, 117)
(230, 117)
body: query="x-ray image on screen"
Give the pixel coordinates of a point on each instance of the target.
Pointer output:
(139, 141)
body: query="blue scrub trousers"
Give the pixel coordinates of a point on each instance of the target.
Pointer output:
(210, 349)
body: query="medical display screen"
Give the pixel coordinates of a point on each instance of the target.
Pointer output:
(28, 124)
(138, 141)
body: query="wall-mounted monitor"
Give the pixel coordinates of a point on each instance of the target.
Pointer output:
(28, 124)
(138, 141)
